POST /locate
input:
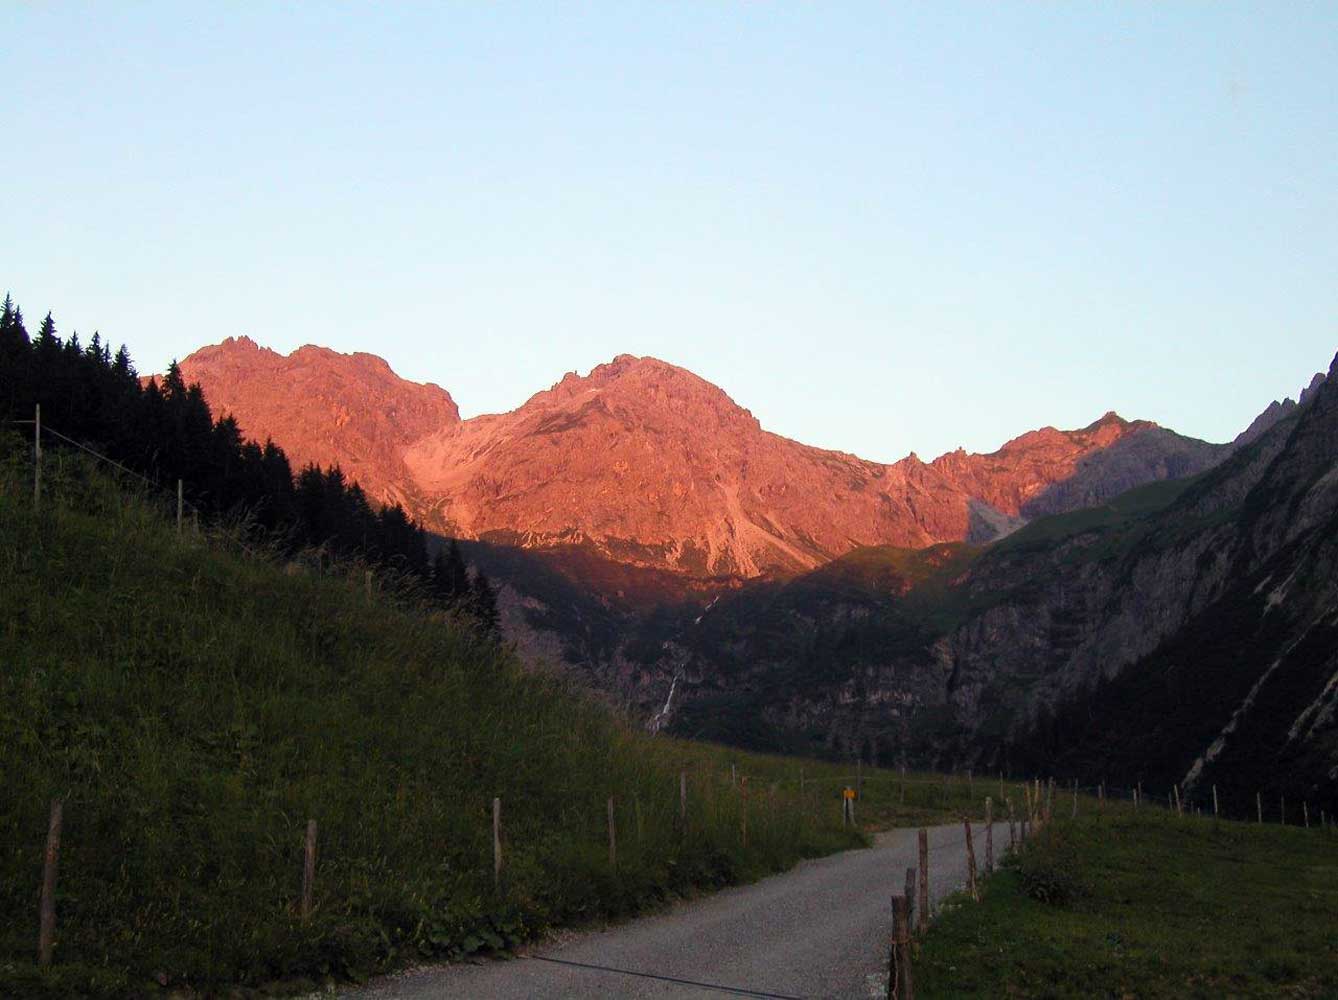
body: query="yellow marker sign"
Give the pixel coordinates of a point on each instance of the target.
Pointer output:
(849, 793)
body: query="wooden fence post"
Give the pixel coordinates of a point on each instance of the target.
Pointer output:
(309, 869)
(1215, 813)
(37, 460)
(743, 809)
(970, 860)
(1259, 805)
(1101, 797)
(899, 981)
(613, 837)
(683, 801)
(910, 896)
(989, 835)
(1305, 811)
(46, 926)
(1012, 827)
(497, 844)
(924, 879)
(1179, 806)
(733, 775)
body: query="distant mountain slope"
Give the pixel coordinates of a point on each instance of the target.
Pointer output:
(1049, 647)
(1187, 631)
(1243, 692)
(645, 464)
(1277, 410)
(320, 406)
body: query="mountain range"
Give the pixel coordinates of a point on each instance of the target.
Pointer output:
(1119, 600)
(647, 465)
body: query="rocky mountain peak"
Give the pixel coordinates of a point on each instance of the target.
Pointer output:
(646, 388)
(323, 406)
(1280, 409)
(650, 465)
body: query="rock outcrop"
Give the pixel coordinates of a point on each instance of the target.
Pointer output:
(321, 406)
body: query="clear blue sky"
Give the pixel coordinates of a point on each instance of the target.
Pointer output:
(881, 228)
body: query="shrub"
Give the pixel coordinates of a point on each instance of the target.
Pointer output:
(1050, 869)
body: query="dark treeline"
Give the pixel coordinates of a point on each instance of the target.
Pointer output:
(166, 432)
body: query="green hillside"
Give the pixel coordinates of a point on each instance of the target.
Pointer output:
(194, 702)
(1146, 904)
(194, 706)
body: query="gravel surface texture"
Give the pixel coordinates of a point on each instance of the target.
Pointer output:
(819, 930)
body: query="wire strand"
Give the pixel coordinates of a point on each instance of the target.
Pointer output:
(738, 991)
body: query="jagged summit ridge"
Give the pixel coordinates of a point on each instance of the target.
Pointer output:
(1279, 410)
(649, 464)
(325, 407)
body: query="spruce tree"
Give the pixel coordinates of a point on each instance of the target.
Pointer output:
(483, 603)
(16, 325)
(439, 575)
(456, 582)
(46, 335)
(15, 385)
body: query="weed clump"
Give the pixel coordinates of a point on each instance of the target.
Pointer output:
(1050, 869)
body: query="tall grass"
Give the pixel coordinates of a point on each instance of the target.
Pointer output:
(1128, 902)
(194, 705)
(193, 708)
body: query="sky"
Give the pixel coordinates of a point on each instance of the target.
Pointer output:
(883, 228)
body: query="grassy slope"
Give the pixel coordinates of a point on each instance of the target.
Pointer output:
(193, 707)
(1160, 907)
(1118, 514)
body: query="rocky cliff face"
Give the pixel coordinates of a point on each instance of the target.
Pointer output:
(320, 406)
(1185, 632)
(1149, 606)
(647, 465)
(1204, 645)
(1276, 411)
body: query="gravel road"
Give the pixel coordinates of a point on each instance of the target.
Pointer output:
(820, 930)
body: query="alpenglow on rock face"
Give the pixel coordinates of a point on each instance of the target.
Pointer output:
(646, 464)
(324, 407)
